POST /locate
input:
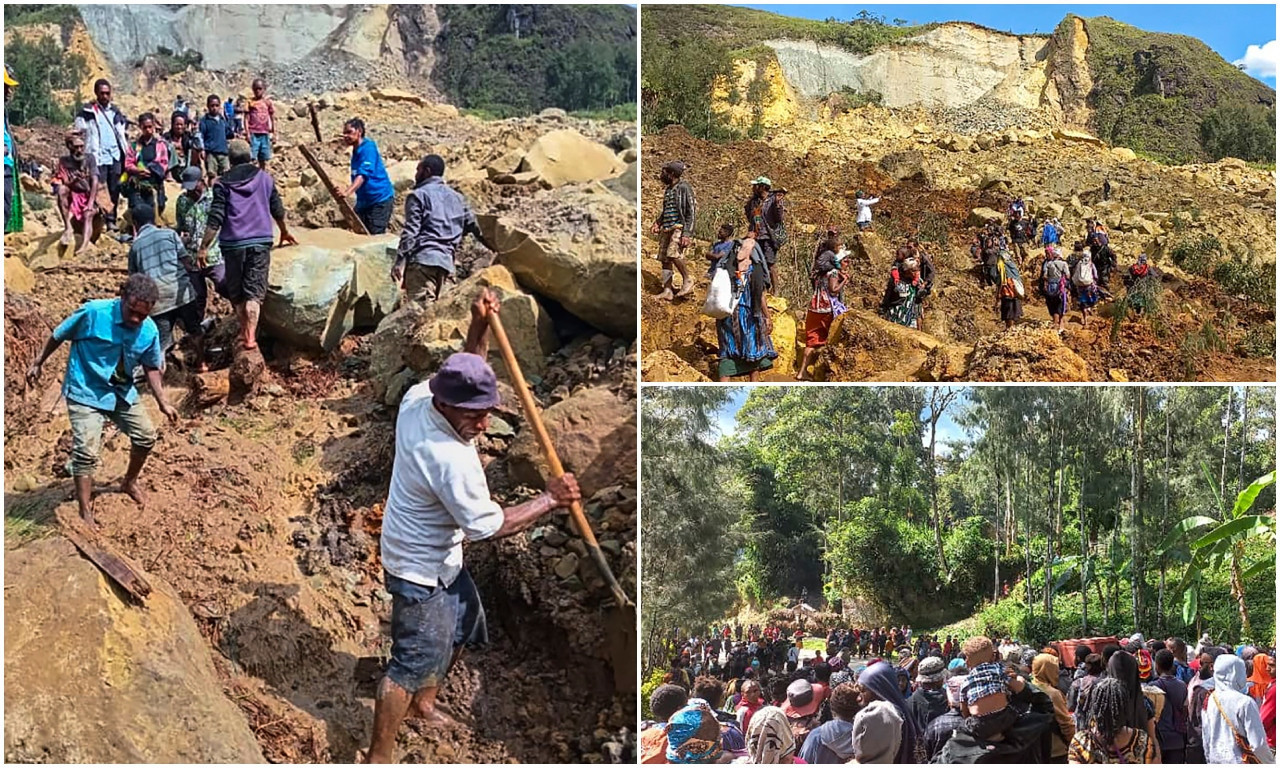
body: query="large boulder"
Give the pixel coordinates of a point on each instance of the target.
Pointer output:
(905, 165)
(980, 217)
(403, 174)
(624, 186)
(90, 678)
(17, 277)
(565, 157)
(418, 339)
(333, 281)
(783, 336)
(665, 365)
(594, 278)
(594, 432)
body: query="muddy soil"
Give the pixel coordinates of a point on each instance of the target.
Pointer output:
(1172, 346)
(264, 517)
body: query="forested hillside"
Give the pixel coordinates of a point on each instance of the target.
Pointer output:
(1100, 509)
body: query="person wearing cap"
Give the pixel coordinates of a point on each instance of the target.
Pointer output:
(370, 183)
(864, 204)
(801, 709)
(439, 498)
(103, 125)
(245, 202)
(929, 700)
(12, 216)
(76, 188)
(159, 254)
(436, 218)
(832, 742)
(765, 214)
(674, 227)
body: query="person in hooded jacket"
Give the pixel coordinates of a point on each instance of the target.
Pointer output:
(1044, 674)
(879, 682)
(1232, 722)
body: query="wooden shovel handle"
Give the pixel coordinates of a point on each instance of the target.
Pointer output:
(534, 417)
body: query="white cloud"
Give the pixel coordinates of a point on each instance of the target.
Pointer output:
(1260, 60)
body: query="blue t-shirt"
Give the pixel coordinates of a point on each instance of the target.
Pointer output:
(367, 162)
(1050, 236)
(215, 132)
(104, 354)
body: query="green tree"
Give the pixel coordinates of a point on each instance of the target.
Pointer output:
(41, 67)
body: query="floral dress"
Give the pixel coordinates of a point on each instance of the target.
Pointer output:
(745, 346)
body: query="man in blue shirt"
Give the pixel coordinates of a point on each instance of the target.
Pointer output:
(109, 339)
(369, 181)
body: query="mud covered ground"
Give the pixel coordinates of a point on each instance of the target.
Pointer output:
(1201, 332)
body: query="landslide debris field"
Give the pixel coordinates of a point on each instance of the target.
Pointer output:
(1209, 227)
(268, 624)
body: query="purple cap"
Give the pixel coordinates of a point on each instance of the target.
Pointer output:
(466, 381)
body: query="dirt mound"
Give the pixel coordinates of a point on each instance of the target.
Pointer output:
(864, 347)
(1026, 354)
(665, 365)
(91, 678)
(26, 327)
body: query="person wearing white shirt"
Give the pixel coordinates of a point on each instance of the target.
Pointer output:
(1230, 713)
(439, 498)
(864, 209)
(103, 126)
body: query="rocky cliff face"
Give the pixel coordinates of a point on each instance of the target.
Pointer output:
(952, 65)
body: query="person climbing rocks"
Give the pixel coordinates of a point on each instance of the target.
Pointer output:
(1099, 244)
(110, 339)
(436, 219)
(826, 281)
(185, 143)
(1055, 284)
(192, 218)
(766, 221)
(375, 196)
(1021, 233)
(103, 126)
(146, 162)
(160, 255)
(1084, 281)
(901, 300)
(1010, 291)
(76, 184)
(245, 202)
(438, 498)
(745, 346)
(674, 228)
(864, 203)
(985, 250)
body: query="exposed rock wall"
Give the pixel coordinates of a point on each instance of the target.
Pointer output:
(950, 66)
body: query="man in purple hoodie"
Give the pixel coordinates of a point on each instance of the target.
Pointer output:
(245, 202)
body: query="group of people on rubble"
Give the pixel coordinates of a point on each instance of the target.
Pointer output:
(891, 696)
(1000, 252)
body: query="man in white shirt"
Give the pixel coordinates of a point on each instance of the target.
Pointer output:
(438, 499)
(864, 204)
(103, 126)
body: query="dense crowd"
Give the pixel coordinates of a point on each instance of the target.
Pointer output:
(754, 695)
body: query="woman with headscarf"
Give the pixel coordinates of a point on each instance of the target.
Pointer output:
(1232, 723)
(1044, 673)
(693, 735)
(770, 740)
(745, 346)
(1261, 677)
(879, 682)
(1107, 736)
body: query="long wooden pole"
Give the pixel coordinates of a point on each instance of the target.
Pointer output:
(348, 213)
(531, 413)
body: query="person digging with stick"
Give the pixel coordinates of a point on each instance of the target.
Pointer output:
(438, 498)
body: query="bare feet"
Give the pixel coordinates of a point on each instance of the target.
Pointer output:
(666, 294)
(134, 492)
(68, 237)
(86, 514)
(685, 289)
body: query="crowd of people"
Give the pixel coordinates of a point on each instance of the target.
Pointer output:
(750, 695)
(1001, 251)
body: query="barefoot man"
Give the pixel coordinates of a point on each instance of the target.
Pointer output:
(438, 499)
(109, 339)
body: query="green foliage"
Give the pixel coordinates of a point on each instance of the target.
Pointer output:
(173, 63)
(37, 202)
(677, 84)
(507, 60)
(1259, 341)
(1197, 254)
(1244, 131)
(1170, 97)
(650, 684)
(742, 28)
(32, 14)
(1247, 277)
(41, 67)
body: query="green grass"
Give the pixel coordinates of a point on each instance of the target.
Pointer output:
(40, 13)
(814, 644)
(27, 518)
(742, 29)
(621, 113)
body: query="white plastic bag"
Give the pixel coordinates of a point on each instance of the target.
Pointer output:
(719, 303)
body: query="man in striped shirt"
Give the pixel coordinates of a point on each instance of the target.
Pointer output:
(674, 228)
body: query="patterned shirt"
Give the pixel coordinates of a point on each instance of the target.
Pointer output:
(1084, 750)
(984, 680)
(193, 219)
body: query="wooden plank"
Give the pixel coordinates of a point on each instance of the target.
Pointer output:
(100, 554)
(348, 213)
(315, 121)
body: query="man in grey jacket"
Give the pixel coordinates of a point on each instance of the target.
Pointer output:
(674, 228)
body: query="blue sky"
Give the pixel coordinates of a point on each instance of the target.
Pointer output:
(1228, 29)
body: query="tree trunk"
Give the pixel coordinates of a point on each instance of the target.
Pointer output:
(1164, 515)
(1226, 440)
(1237, 589)
(1135, 506)
(1244, 439)
(1084, 556)
(995, 597)
(934, 416)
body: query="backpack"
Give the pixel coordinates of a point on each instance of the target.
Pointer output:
(1010, 279)
(1055, 287)
(1082, 275)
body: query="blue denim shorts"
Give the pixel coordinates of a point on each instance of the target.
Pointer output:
(260, 147)
(427, 625)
